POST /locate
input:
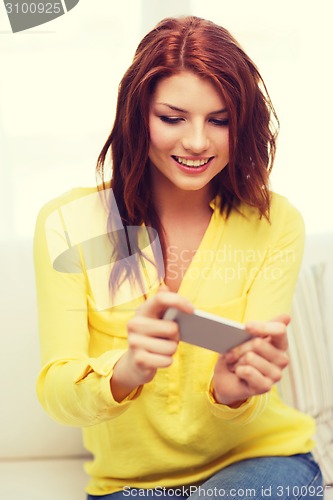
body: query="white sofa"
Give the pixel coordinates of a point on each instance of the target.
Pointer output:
(40, 459)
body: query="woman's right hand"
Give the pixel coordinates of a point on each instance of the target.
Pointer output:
(152, 342)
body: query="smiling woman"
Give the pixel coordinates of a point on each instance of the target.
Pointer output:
(192, 147)
(237, 88)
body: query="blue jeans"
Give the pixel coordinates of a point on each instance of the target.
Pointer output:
(275, 478)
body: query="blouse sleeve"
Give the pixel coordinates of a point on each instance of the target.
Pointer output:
(73, 388)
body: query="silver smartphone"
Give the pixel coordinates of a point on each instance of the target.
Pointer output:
(208, 330)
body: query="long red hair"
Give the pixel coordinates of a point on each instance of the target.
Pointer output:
(210, 51)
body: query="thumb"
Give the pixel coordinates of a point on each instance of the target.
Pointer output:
(274, 330)
(282, 318)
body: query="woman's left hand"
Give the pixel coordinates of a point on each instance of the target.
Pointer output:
(254, 367)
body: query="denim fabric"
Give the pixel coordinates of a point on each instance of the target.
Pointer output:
(276, 478)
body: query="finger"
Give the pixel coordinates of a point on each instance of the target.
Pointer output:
(257, 382)
(267, 369)
(156, 306)
(163, 288)
(146, 360)
(283, 318)
(264, 329)
(153, 327)
(276, 329)
(260, 346)
(153, 345)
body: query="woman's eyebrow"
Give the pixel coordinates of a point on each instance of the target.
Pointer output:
(174, 108)
(224, 110)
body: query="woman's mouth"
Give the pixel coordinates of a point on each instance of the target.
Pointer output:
(200, 162)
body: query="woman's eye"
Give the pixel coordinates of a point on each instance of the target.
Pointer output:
(170, 119)
(219, 123)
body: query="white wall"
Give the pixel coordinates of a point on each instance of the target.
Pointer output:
(291, 42)
(58, 90)
(59, 82)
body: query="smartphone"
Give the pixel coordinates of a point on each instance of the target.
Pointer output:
(208, 330)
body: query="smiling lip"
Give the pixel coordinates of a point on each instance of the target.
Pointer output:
(192, 164)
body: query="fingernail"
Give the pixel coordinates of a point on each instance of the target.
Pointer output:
(190, 306)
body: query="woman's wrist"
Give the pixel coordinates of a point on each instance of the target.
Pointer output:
(225, 401)
(122, 383)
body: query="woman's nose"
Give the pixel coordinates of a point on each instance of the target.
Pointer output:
(196, 140)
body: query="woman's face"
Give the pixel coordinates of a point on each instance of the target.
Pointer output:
(189, 134)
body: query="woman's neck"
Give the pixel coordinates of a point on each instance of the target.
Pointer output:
(172, 203)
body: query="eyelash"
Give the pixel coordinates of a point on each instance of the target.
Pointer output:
(173, 121)
(219, 123)
(168, 119)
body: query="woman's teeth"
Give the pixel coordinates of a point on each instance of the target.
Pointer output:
(191, 163)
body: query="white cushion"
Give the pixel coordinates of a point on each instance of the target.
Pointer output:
(27, 431)
(43, 480)
(307, 382)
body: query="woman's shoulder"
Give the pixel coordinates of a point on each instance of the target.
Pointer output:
(284, 216)
(281, 211)
(281, 204)
(72, 218)
(71, 196)
(284, 221)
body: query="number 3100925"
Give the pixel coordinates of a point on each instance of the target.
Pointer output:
(33, 8)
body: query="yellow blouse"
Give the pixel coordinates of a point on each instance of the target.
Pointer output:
(170, 432)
